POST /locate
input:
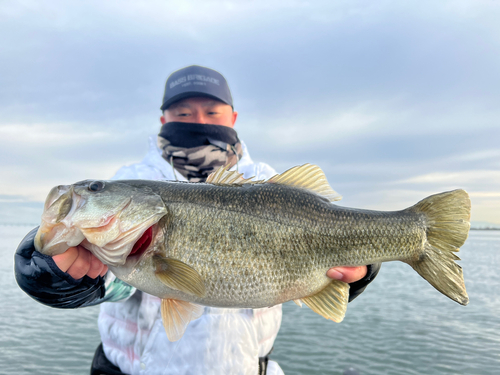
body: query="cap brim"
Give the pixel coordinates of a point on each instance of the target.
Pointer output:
(191, 94)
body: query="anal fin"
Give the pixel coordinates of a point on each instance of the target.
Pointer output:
(176, 316)
(331, 302)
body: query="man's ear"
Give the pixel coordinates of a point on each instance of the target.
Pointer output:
(235, 116)
(162, 120)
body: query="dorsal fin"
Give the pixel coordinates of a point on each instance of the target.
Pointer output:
(309, 177)
(306, 176)
(223, 176)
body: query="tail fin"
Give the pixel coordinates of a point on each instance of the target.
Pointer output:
(448, 216)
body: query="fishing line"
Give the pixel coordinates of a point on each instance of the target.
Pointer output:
(237, 158)
(173, 169)
(172, 356)
(174, 350)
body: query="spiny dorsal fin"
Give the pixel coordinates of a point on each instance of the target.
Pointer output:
(306, 176)
(309, 177)
(223, 176)
(331, 302)
(178, 275)
(176, 316)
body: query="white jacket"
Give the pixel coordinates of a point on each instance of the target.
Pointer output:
(221, 341)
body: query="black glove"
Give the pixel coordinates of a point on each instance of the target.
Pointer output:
(41, 279)
(359, 286)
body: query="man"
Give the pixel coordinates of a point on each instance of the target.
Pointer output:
(196, 137)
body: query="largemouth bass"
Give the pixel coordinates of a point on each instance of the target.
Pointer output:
(239, 243)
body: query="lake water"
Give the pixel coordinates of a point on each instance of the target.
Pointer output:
(400, 325)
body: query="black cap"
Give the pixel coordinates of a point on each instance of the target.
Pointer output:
(193, 81)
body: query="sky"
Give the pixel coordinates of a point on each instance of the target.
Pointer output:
(394, 100)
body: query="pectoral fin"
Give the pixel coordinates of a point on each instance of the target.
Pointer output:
(180, 276)
(331, 302)
(176, 316)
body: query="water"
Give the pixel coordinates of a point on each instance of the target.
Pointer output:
(400, 325)
(36, 339)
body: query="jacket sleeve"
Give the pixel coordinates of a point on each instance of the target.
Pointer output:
(358, 287)
(39, 276)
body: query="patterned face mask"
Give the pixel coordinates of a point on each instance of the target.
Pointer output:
(196, 150)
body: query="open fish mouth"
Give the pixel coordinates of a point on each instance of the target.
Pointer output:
(110, 231)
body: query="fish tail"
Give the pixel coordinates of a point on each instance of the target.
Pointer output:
(447, 220)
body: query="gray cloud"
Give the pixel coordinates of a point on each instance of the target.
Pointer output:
(374, 93)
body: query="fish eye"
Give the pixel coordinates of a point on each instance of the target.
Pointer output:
(96, 186)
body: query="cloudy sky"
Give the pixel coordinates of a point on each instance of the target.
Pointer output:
(394, 100)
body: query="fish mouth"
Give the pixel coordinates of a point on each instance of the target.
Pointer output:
(111, 236)
(55, 235)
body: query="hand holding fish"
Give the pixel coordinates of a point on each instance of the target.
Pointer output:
(347, 274)
(78, 262)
